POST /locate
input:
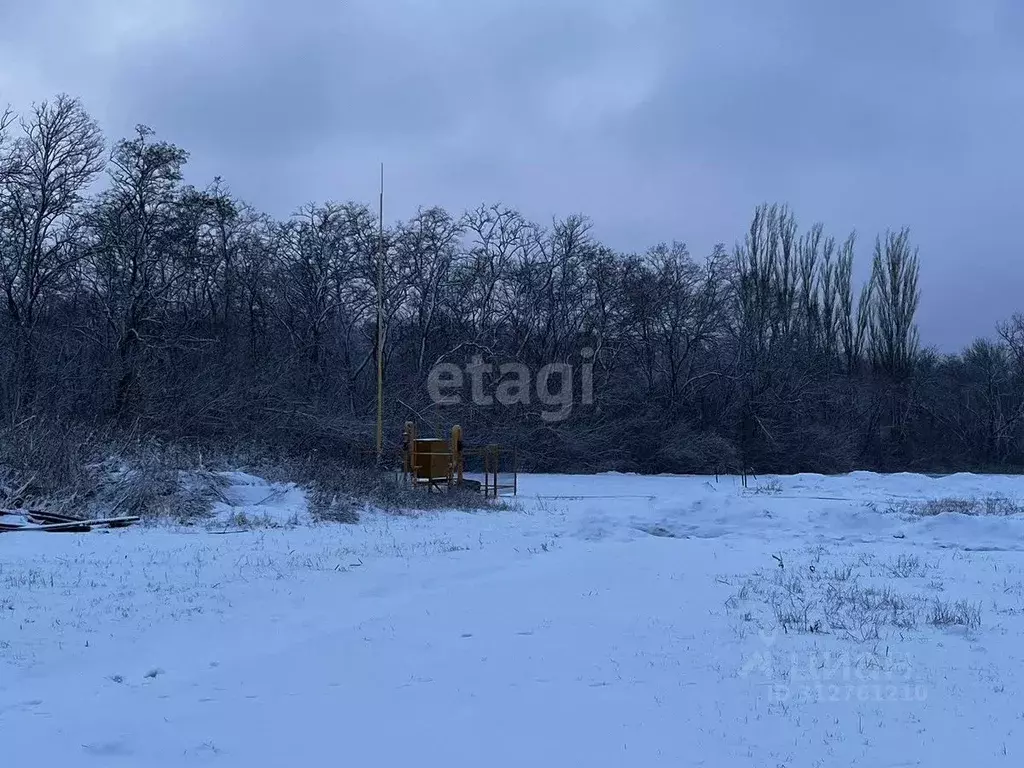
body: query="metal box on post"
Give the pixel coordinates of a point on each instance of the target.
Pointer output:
(433, 461)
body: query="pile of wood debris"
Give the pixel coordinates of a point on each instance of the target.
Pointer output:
(16, 516)
(38, 520)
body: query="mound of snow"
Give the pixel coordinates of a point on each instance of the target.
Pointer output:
(251, 500)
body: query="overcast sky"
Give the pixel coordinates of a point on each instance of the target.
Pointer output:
(660, 119)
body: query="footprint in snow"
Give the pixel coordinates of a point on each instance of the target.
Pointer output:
(108, 749)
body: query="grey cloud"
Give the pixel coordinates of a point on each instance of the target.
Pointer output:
(347, 71)
(660, 119)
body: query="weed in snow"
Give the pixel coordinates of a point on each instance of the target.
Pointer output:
(944, 613)
(842, 600)
(994, 506)
(771, 488)
(904, 566)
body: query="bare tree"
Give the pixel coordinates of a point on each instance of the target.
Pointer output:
(135, 262)
(427, 248)
(894, 339)
(45, 173)
(9, 165)
(853, 317)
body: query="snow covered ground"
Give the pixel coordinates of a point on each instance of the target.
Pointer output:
(606, 620)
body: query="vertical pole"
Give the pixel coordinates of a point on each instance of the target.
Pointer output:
(380, 321)
(494, 470)
(515, 472)
(458, 464)
(407, 447)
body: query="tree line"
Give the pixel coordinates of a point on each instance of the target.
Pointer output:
(134, 301)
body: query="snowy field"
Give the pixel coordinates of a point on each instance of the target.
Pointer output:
(606, 620)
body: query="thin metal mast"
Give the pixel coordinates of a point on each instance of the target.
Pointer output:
(380, 320)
